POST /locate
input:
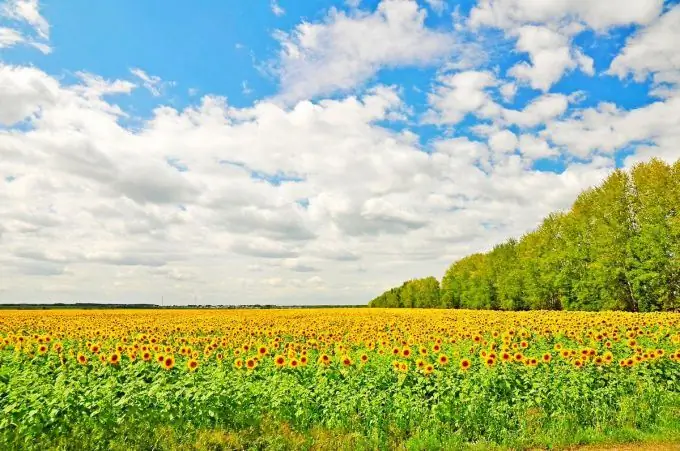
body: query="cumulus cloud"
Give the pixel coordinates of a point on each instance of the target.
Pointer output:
(24, 91)
(607, 128)
(545, 30)
(598, 15)
(653, 51)
(462, 93)
(550, 56)
(211, 192)
(539, 111)
(346, 50)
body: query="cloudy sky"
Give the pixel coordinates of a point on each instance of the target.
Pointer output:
(294, 152)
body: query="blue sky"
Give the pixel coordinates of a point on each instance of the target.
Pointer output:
(368, 141)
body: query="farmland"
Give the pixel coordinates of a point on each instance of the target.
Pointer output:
(329, 379)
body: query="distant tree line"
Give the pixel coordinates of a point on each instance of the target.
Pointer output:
(422, 293)
(617, 248)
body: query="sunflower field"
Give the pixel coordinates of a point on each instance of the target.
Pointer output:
(336, 379)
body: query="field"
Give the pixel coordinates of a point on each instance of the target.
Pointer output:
(337, 379)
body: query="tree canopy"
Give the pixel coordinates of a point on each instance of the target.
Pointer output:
(617, 248)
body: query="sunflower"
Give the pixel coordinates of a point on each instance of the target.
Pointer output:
(42, 349)
(346, 361)
(169, 362)
(363, 358)
(146, 356)
(238, 363)
(464, 364)
(293, 363)
(251, 364)
(262, 350)
(324, 359)
(443, 359)
(114, 358)
(192, 365)
(82, 359)
(304, 360)
(279, 360)
(547, 357)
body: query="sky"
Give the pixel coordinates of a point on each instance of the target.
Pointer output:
(308, 152)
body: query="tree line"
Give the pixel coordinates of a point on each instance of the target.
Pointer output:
(617, 248)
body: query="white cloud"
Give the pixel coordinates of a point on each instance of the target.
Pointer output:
(27, 11)
(346, 50)
(508, 91)
(550, 56)
(544, 30)
(24, 12)
(598, 15)
(196, 201)
(276, 8)
(153, 83)
(652, 51)
(437, 6)
(9, 37)
(94, 85)
(24, 91)
(539, 111)
(608, 128)
(462, 93)
(503, 141)
(533, 147)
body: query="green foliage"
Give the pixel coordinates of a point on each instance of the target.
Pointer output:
(420, 293)
(45, 404)
(617, 248)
